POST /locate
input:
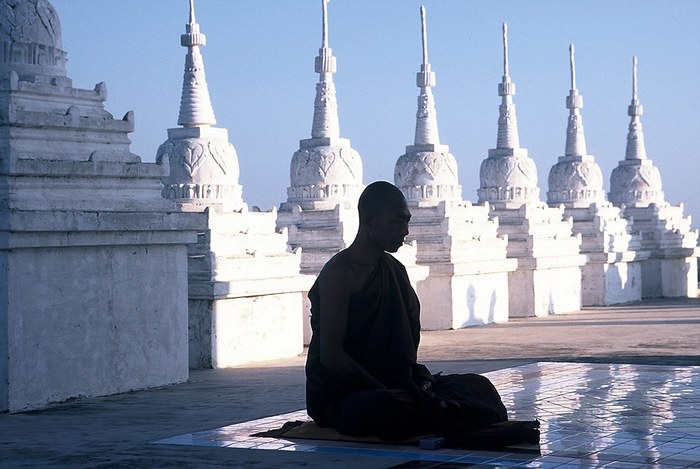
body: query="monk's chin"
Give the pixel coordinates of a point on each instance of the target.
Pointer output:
(394, 248)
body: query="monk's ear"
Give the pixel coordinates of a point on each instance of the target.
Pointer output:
(367, 220)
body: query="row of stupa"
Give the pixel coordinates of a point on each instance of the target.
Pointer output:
(118, 275)
(511, 255)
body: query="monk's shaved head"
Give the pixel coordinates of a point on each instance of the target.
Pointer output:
(379, 197)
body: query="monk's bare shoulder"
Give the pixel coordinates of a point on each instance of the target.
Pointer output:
(342, 272)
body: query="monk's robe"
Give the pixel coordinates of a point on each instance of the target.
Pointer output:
(383, 333)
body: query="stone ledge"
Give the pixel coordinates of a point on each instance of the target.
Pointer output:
(248, 288)
(472, 268)
(65, 239)
(53, 168)
(556, 262)
(16, 222)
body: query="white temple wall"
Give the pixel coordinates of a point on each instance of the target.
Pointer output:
(246, 329)
(609, 284)
(452, 302)
(675, 277)
(670, 278)
(678, 277)
(245, 291)
(306, 318)
(4, 312)
(651, 278)
(543, 291)
(91, 320)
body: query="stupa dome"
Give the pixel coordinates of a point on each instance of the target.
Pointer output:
(508, 171)
(325, 175)
(30, 33)
(426, 175)
(638, 183)
(575, 182)
(326, 165)
(426, 168)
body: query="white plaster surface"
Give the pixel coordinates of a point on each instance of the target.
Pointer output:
(611, 283)
(245, 291)
(613, 250)
(544, 291)
(457, 301)
(670, 269)
(548, 276)
(88, 321)
(94, 260)
(319, 233)
(245, 329)
(31, 39)
(407, 255)
(467, 283)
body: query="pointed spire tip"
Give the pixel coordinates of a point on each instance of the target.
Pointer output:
(505, 49)
(572, 62)
(193, 19)
(424, 35)
(634, 77)
(324, 40)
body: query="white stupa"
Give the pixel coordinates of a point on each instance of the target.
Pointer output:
(427, 171)
(468, 280)
(326, 176)
(612, 273)
(548, 277)
(203, 164)
(576, 180)
(326, 182)
(245, 290)
(92, 259)
(635, 187)
(325, 170)
(635, 182)
(508, 176)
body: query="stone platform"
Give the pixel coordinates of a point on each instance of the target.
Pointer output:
(118, 431)
(590, 415)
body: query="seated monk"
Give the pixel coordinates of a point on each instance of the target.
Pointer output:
(362, 375)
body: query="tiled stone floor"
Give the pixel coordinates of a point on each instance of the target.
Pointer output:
(592, 415)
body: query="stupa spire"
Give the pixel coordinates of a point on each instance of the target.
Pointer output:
(427, 172)
(203, 164)
(195, 104)
(193, 20)
(576, 179)
(507, 122)
(635, 137)
(426, 117)
(575, 138)
(325, 124)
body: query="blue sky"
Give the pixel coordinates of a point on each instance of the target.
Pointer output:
(259, 63)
